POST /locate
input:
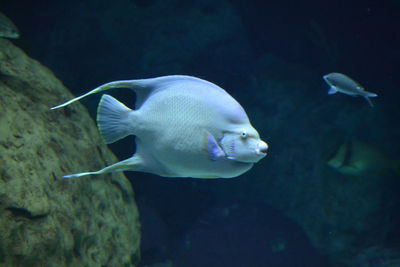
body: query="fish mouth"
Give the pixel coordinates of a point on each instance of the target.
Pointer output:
(261, 153)
(252, 156)
(262, 149)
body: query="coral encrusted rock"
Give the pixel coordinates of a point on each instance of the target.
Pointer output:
(46, 220)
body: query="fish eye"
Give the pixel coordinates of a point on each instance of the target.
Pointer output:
(243, 134)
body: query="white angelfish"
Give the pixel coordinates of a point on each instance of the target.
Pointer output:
(342, 83)
(184, 127)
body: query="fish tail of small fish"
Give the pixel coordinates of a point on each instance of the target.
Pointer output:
(370, 94)
(114, 119)
(369, 101)
(367, 95)
(107, 86)
(132, 164)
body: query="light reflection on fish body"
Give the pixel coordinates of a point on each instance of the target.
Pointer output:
(339, 82)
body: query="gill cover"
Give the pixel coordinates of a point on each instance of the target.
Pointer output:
(244, 146)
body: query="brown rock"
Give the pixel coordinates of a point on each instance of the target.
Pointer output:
(45, 220)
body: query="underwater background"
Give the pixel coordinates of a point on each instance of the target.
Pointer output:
(300, 205)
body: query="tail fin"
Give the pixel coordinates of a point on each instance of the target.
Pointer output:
(113, 119)
(369, 101)
(110, 85)
(370, 94)
(367, 95)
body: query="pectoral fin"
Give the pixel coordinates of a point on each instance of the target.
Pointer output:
(212, 147)
(332, 90)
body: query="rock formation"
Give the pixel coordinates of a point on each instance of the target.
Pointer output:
(45, 220)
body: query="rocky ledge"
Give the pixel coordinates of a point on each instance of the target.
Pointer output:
(46, 220)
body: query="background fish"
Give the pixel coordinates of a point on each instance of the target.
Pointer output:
(339, 82)
(184, 127)
(7, 28)
(278, 245)
(358, 159)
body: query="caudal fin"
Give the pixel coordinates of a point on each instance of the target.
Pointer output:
(113, 119)
(370, 94)
(369, 101)
(367, 95)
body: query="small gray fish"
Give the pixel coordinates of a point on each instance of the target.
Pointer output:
(7, 28)
(339, 82)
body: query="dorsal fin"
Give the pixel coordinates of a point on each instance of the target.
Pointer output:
(107, 86)
(142, 87)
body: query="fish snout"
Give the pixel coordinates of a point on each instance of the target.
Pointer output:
(262, 149)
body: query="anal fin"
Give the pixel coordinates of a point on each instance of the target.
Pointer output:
(134, 163)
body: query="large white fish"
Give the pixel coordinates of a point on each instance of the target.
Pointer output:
(184, 127)
(342, 83)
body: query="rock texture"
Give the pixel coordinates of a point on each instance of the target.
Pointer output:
(45, 220)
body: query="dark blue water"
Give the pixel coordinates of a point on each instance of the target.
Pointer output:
(269, 55)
